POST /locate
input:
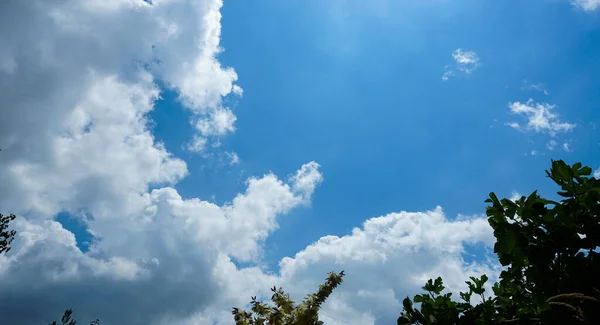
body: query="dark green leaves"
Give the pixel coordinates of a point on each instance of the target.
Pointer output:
(550, 253)
(476, 286)
(434, 287)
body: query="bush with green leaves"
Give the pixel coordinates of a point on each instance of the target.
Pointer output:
(549, 251)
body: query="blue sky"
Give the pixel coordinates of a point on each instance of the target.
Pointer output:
(358, 89)
(219, 148)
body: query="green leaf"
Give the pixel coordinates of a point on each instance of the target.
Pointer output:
(585, 171)
(403, 320)
(565, 193)
(407, 304)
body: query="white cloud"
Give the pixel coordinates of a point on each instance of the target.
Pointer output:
(387, 259)
(566, 147)
(218, 122)
(515, 196)
(448, 73)
(197, 144)
(537, 86)
(233, 157)
(165, 247)
(306, 179)
(597, 173)
(465, 62)
(84, 60)
(540, 117)
(237, 90)
(78, 79)
(588, 5)
(551, 145)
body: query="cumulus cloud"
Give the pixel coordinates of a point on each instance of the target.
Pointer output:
(54, 50)
(78, 79)
(306, 179)
(82, 76)
(588, 5)
(465, 62)
(387, 259)
(540, 117)
(166, 248)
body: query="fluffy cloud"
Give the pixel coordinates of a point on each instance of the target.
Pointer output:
(588, 5)
(388, 258)
(540, 117)
(166, 249)
(465, 62)
(78, 79)
(307, 178)
(52, 51)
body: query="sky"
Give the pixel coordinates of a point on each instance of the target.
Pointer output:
(169, 159)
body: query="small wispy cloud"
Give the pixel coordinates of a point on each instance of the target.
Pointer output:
(540, 117)
(448, 73)
(465, 62)
(537, 86)
(233, 158)
(197, 144)
(515, 196)
(587, 5)
(551, 145)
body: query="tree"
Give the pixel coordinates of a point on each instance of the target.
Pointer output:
(549, 250)
(284, 312)
(6, 236)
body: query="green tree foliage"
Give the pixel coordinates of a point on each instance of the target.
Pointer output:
(549, 253)
(284, 312)
(6, 236)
